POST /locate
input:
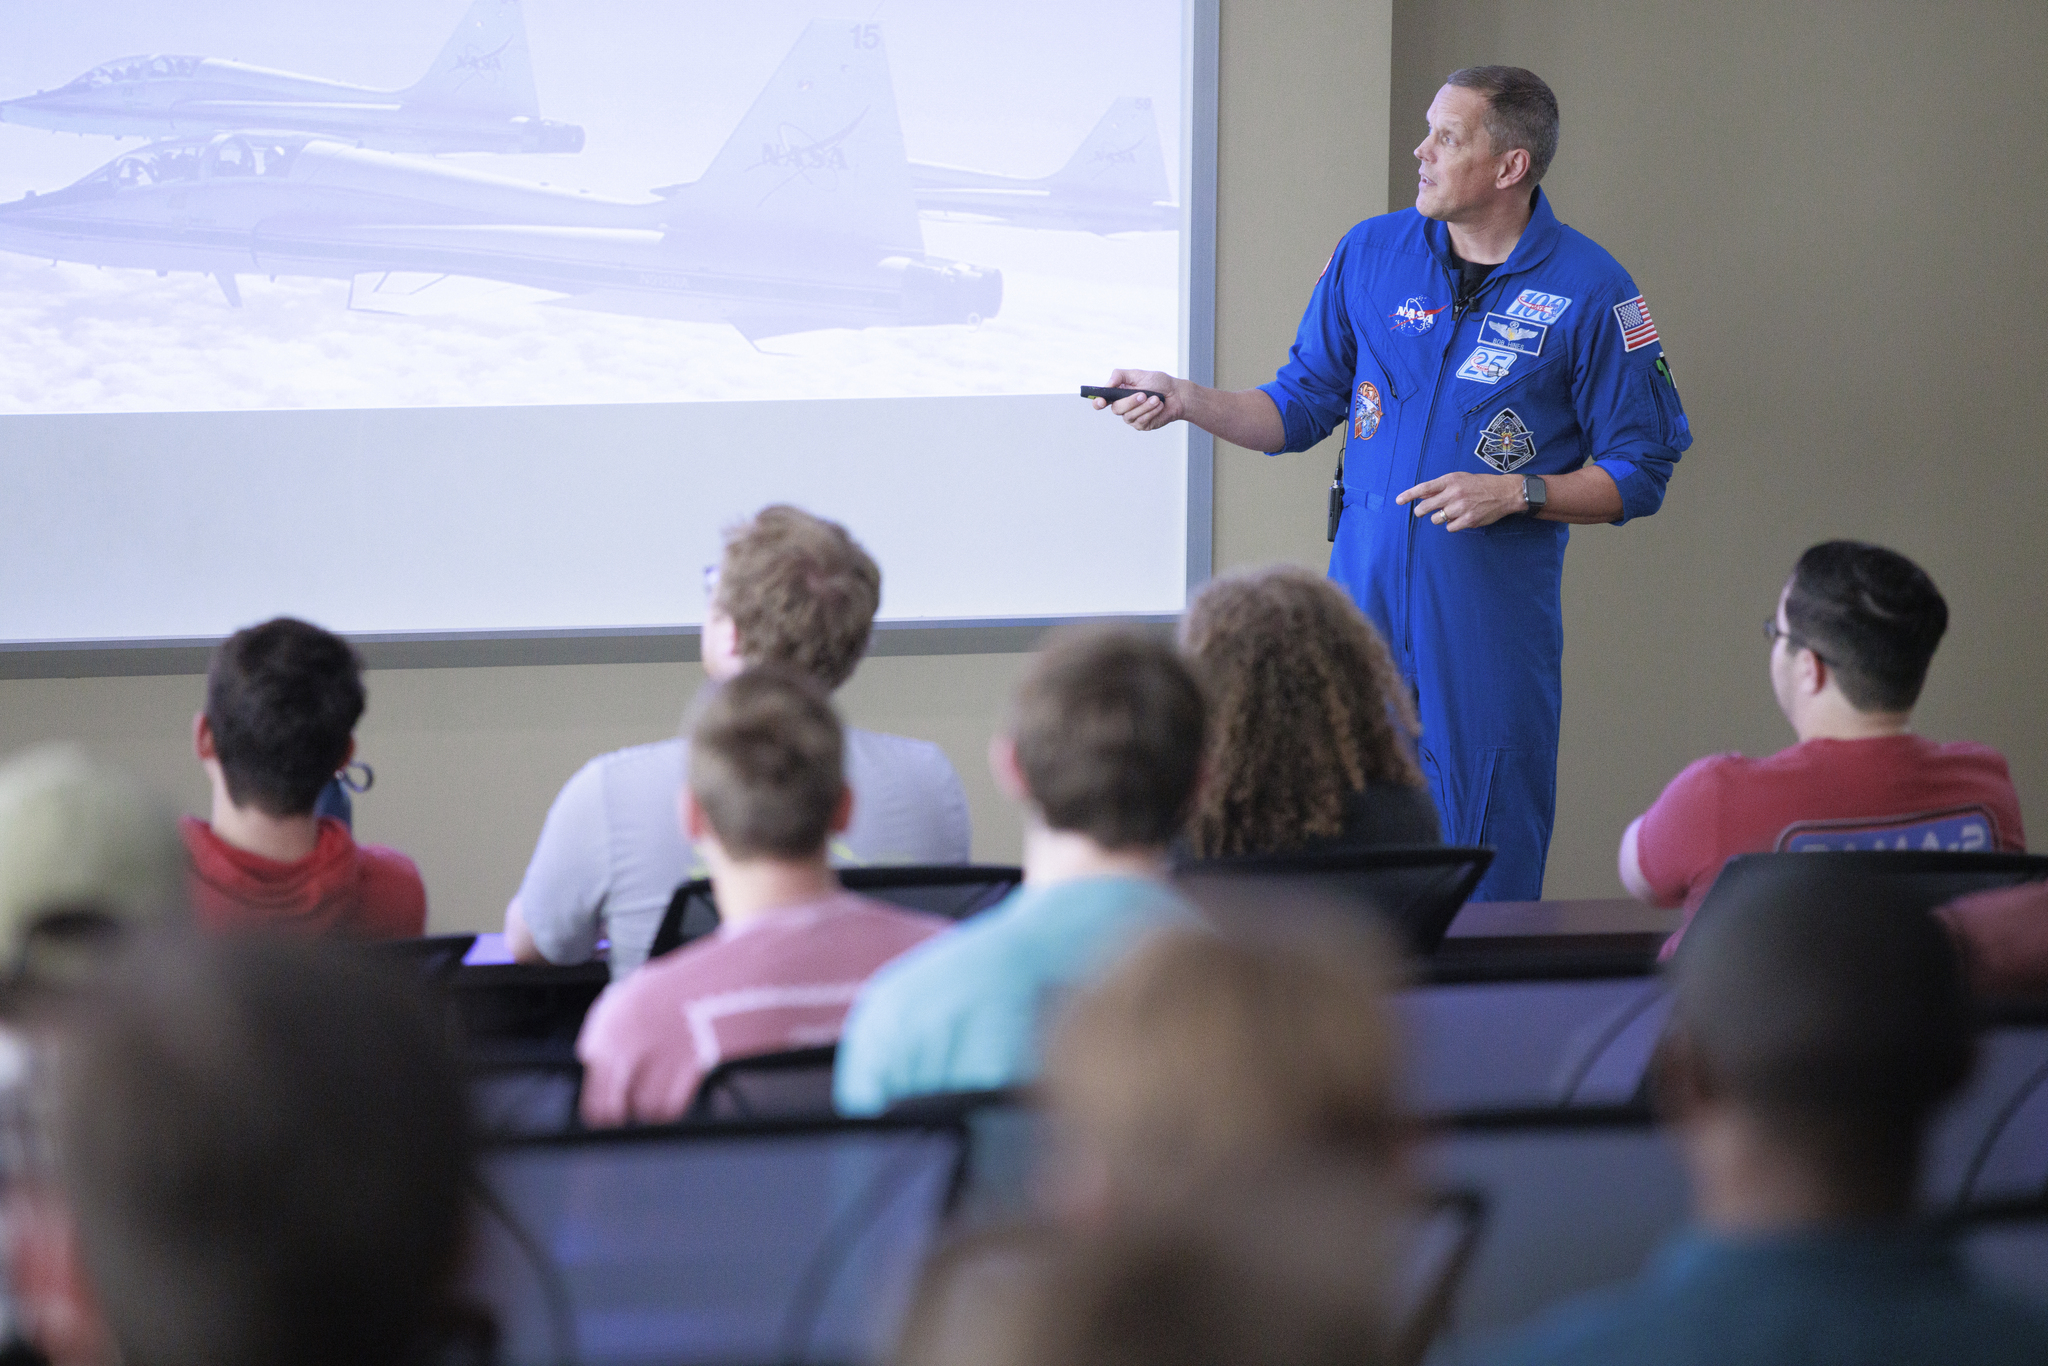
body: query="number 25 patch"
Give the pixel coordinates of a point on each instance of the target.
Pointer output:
(1488, 364)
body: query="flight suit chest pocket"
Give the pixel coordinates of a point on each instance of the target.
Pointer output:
(1528, 426)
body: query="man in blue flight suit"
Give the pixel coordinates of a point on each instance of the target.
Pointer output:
(1499, 377)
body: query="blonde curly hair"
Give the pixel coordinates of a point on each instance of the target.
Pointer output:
(1306, 709)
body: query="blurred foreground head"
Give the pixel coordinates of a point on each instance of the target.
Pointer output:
(1204, 1053)
(1830, 1027)
(251, 1152)
(79, 842)
(1283, 1269)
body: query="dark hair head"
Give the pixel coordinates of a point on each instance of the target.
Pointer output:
(265, 1147)
(1305, 709)
(801, 593)
(283, 699)
(1873, 615)
(766, 764)
(1840, 1012)
(1521, 111)
(1108, 726)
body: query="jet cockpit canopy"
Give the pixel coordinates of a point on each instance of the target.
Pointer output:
(152, 68)
(189, 159)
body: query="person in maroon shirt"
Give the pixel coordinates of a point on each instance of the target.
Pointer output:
(282, 702)
(1855, 629)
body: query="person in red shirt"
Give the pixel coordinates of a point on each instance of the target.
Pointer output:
(1855, 629)
(766, 791)
(282, 702)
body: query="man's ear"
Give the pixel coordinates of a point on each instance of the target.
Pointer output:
(1009, 774)
(690, 813)
(1814, 673)
(1680, 1084)
(842, 811)
(1514, 168)
(202, 738)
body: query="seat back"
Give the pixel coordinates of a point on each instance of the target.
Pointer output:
(795, 1084)
(521, 1092)
(1417, 891)
(952, 890)
(434, 956)
(710, 1244)
(1576, 1198)
(1929, 876)
(513, 1003)
(2006, 1242)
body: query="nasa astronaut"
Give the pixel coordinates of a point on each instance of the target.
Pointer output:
(1499, 377)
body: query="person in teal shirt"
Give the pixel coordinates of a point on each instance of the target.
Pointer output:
(1103, 751)
(1810, 1042)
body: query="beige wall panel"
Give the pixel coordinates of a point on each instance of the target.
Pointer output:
(1834, 212)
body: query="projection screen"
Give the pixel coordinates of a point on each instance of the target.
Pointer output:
(439, 321)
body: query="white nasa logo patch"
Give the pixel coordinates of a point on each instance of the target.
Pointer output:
(1513, 333)
(1538, 307)
(1488, 364)
(1506, 443)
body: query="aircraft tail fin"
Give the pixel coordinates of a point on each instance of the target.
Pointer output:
(485, 66)
(816, 167)
(1121, 157)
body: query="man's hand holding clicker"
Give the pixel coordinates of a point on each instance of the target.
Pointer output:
(1142, 411)
(1461, 502)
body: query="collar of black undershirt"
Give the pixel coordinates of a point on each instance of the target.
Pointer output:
(1471, 275)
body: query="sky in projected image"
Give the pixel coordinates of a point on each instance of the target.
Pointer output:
(741, 218)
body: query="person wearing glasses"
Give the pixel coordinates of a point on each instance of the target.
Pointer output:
(793, 591)
(1855, 629)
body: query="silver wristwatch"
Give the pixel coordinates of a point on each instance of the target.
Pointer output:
(1535, 493)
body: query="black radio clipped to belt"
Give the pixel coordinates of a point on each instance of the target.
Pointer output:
(1336, 497)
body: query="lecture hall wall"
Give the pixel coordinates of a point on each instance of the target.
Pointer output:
(1833, 210)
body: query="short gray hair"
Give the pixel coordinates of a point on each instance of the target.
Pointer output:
(1521, 111)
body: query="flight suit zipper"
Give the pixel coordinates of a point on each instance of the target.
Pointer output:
(1458, 316)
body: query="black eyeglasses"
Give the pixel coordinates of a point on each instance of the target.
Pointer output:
(1772, 631)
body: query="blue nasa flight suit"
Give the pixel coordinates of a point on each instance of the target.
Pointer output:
(1553, 363)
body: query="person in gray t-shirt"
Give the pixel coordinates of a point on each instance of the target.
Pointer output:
(792, 590)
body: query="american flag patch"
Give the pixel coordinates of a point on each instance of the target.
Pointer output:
(1636, 327)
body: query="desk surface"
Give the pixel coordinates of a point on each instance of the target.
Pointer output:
(1547, 919)
(1494, 941)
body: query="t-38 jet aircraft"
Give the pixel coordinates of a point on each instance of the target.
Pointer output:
(804, 219)
(478, 97)
(1116, 182)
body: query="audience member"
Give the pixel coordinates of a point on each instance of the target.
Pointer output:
(1204, 1052)
(792, 590)
(2004, 936)
(282, 702)
(1809, 1043)
(79, 842)
(1103, 750)
(250, 1152)
(1854, 631)
(1284, 1270)
(1311, 731)
(766, 791)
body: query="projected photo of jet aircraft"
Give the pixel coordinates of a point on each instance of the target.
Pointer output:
(479, 96)
(1115, 183)
(804, 219)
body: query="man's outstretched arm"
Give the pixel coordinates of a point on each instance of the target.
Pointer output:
(1243, 417)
